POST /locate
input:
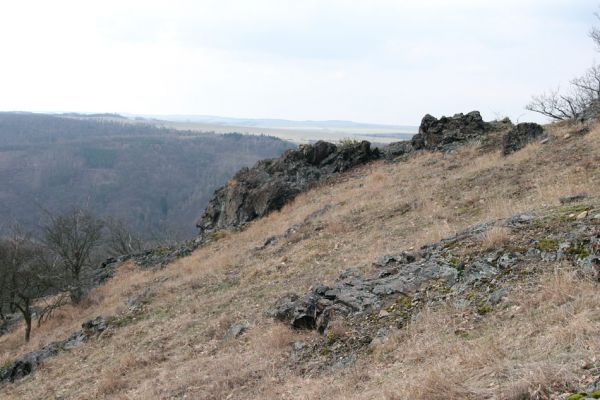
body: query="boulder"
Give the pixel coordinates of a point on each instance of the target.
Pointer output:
(397, 149)
(447, 133)
(270, 184)
(520, 136)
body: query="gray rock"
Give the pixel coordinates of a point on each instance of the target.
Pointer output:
(521, 135)
(270, 184)
(497, 296)
(353, 293)
(298, 346)
(237, 330)
(447, 133)
(519, 220)
(397, 149)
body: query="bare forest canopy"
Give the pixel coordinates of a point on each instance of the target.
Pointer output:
(157, 180)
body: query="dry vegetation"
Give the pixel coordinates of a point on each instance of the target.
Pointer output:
(174, 348)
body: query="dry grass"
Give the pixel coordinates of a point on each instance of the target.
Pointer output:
(176, 349)
(495, 237)
(540, 339)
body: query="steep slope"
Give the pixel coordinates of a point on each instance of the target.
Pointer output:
(201, 328)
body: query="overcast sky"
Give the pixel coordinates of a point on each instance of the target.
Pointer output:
(387, 61)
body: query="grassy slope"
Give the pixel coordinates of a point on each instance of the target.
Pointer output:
(174, 347)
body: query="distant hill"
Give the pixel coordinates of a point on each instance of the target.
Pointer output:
(296, 131)
(280, 123)
(154, 178)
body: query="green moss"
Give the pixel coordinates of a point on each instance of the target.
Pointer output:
(595, 395)
(577, 396)
(579, 249)
(484, 309)
(457, 265)
(325, 351)
(402, 307)
(331, 338)
(547, 245)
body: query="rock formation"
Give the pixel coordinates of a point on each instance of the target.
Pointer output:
(401, 281)
(520, 136)
(270, 184)
(447, 133)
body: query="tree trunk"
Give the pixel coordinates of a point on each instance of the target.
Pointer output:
(27, 317)
(76, 294)
(26, 312)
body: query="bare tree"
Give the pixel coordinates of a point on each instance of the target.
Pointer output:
(581, 98)
(595, 33)
(583, 93)
(72, 238)
(24, 278)
(121, 240)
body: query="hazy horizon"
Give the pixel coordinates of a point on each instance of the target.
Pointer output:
(385, 62)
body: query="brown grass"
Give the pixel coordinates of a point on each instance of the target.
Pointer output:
(176, 348)
(495, 237)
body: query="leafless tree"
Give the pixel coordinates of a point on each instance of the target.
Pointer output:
(583, 93)
(121, 240)
(72, 238)
(595, 33)
(24, 277)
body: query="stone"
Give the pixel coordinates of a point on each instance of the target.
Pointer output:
(521, 135)
(447, 133)
(397, 149)
(582, 215)
(255, 192)
(237, 330)
(298, 346)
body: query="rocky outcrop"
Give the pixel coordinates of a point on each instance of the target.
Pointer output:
(521, 135)
(457, 268)
(269, 185)
(27, 364)
(447, 133)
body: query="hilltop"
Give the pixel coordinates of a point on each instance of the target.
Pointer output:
(462, 264)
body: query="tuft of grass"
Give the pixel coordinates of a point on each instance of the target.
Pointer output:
(495, 238)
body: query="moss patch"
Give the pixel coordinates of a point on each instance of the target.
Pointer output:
(548, 245)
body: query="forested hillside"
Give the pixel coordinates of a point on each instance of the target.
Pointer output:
(155, 179)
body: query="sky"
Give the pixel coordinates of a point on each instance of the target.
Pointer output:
(380, 61)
